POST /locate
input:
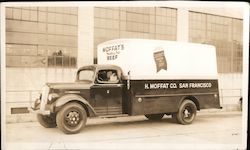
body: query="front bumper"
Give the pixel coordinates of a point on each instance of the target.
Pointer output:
(36, 108)
(42, 112)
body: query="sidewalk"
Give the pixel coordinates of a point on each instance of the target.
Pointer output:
(216, 129)
(218, 112)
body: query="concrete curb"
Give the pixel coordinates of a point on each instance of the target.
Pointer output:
(219, 113)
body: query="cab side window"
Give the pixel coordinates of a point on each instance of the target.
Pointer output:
(107, 76)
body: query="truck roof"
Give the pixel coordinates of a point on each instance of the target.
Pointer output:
(100, 66)
(137, 40)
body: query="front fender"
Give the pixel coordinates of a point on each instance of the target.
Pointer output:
(73, 97)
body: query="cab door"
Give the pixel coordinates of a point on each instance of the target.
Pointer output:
(107, 95)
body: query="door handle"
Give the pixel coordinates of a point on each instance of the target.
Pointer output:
(119, 85)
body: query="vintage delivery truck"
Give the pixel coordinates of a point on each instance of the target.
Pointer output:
(134, 77)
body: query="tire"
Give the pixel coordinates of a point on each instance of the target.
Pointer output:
(71, 118)
(47, 121)
(174, 118)
(154, 116)
(186, 113)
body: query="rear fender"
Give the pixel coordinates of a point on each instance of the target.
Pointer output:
(76, 98)
(192, 98)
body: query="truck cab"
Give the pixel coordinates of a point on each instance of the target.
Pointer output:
(97, 90)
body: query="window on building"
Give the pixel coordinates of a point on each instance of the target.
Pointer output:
(133, 22)
(41, 36)
(60, 59)
(224, 33)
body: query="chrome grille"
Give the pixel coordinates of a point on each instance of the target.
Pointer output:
(45, 94)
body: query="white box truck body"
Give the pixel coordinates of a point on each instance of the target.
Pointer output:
(162, 74)
(143, 58)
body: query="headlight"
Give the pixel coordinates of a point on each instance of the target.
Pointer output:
(52, 96)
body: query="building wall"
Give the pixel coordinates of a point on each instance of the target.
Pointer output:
(35, 36)
(41, 46)
(23, 86)
(230, 85)
(161, 23)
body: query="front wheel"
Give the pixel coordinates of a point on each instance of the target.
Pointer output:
(47, 121)
(154, 116)
(186, 113)
(71, 118)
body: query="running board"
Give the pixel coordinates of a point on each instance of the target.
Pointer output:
(114, 116)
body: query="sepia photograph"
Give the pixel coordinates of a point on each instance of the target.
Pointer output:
(124, 75)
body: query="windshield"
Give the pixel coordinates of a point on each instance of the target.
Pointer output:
(86, 75)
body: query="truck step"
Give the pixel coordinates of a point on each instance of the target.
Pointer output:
(114, 116)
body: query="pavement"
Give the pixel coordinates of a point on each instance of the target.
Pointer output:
(210, 130)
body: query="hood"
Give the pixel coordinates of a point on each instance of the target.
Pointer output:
(75, 85)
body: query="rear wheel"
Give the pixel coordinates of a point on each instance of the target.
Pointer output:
(47, 121)
(186, 113)
(174, 118)
(71, 118)
(154, 116)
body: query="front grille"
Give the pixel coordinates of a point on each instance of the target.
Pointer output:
(44, 98)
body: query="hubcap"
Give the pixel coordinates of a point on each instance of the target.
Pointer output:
(72, 118)
(187, 113)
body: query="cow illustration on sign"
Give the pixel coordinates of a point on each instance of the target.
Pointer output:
(160, 59)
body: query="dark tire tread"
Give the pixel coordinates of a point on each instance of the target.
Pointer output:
(60, 118)
(179, 115)
(47, 121)
(154, 116)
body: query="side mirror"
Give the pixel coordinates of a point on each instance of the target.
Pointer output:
(128, 81)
